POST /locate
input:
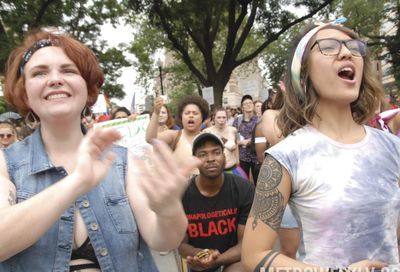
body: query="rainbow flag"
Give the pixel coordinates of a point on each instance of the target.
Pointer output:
(102, 105)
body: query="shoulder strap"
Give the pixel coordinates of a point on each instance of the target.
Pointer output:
(176, 140)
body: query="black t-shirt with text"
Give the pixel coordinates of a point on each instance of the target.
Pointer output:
(213, 220)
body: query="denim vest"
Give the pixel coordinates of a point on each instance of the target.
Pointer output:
(105, 210)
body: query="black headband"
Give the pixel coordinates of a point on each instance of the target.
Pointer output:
(29, 52)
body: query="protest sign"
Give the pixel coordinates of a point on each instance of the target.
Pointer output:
(133, 133)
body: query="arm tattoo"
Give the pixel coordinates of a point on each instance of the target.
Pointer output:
(268, 205)
(264, 260)
(11, 198)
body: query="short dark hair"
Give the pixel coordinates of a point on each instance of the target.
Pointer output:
(204, 137)
(245, 97)
(120, 109)
(194, 100)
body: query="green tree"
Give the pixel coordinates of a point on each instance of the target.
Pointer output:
(82, 19)
(275, 56)
(3, 105)
(373, 20)
(211, 37)
(367, 18)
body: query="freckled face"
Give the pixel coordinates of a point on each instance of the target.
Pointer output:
(54, 86)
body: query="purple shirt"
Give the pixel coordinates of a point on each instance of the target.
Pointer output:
(245, 129)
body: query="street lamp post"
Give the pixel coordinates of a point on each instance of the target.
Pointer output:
(160, 64)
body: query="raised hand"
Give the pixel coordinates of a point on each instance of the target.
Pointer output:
(158, 103)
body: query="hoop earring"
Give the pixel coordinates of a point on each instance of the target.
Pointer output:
(31, 120)
(86, 112)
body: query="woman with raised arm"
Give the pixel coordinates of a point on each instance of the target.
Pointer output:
(192, 111)
(339, 176)
(66, 203)
(166, 120)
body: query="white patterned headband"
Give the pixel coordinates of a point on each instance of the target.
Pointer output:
(299, 53)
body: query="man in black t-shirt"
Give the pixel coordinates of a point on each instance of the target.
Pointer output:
(217, 206)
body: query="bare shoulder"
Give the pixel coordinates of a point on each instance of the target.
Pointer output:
(168, 136)
(232, 129)
(270, 114)
(209, 129)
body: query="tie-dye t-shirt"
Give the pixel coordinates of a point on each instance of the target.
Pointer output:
(344, 196)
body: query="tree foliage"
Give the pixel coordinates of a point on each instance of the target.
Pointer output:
(212, 38)
(275, 56)
(82, 19)
(378, 22)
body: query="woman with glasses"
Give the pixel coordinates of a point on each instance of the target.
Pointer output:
(8, 134)
(339, 176)
(76, 202)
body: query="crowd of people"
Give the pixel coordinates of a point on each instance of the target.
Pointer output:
(316, 166)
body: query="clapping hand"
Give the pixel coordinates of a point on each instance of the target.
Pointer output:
(93, 160)
(158, 103)
(164, 181)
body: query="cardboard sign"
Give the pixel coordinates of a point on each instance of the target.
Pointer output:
(133, 133)
(208, 95)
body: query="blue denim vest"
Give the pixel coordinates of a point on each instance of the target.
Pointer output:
(105, 210)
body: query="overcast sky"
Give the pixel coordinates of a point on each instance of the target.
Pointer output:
(115, 36)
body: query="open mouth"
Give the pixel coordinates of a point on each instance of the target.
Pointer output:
(191, 122)
(54, 96)
(346, 73)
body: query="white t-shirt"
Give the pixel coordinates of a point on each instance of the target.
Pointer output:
(345, 196)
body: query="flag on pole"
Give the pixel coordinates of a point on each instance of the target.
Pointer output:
(133, 104)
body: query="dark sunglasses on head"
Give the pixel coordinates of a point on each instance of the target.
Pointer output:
(332, 47)
(5, 135)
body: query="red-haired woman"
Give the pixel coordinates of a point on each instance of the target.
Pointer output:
(67, 203)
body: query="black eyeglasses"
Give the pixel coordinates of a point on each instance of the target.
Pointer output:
(332, 47)
(5, 136)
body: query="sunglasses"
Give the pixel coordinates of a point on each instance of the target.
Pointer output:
(332, 47)
(5, 136)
